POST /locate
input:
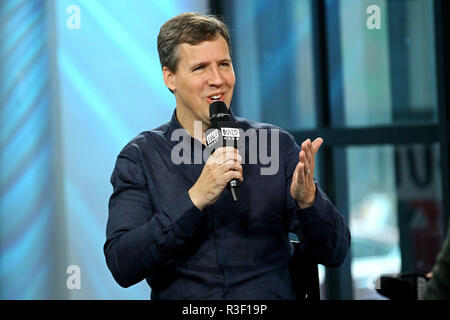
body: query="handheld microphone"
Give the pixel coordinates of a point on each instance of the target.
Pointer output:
(223, 132)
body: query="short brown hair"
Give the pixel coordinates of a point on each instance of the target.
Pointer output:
(192, 28)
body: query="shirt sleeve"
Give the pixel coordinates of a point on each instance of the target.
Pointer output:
(320, 228)
(139, 241)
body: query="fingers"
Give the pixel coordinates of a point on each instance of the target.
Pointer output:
(226, 161)
(308, 152)
(304, 161)
(299, 173)
(223, 154)
(316, 144)
(220, 168)
(230, 165)
(230, 175)
(307, 156)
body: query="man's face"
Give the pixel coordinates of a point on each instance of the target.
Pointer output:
(204, 74)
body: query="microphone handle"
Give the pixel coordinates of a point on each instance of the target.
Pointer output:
(233, 186)
(233, 189)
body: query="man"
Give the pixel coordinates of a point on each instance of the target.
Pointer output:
(173, 225)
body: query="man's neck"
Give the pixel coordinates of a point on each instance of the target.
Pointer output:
(195, 127)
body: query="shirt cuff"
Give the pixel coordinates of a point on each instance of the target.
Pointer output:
(318, 209)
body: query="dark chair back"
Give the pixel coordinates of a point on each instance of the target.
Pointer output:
(304, 274)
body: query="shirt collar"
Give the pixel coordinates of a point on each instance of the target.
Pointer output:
(188, 142)
(175, 124)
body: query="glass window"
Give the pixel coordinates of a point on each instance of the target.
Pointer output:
(273, 61)
(388, 74)
(395, 212)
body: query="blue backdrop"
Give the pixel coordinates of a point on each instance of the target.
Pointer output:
(78, 80)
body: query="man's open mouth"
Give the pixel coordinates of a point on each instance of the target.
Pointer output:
(215, 97)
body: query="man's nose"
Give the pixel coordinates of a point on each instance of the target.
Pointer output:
(215, 77)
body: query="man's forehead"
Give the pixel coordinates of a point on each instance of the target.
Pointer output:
(196, 53)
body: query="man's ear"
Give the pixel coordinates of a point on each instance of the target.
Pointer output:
(169, 78)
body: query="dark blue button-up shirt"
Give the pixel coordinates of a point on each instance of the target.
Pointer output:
(229, 250)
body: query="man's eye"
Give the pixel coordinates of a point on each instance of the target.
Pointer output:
(198, 68)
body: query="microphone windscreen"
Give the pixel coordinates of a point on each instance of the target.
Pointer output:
(217, 107)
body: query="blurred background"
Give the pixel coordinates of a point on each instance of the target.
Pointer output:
(79, 79)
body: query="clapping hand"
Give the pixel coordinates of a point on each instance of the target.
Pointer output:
(303, 188)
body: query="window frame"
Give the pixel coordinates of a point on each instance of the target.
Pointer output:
(338, 281)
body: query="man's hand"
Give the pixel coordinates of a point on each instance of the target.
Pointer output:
(303, 188)
(222, 166)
